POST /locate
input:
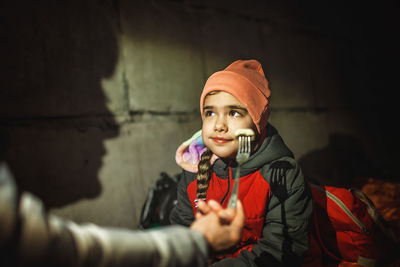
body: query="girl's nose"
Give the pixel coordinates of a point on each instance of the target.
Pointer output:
(220, 124)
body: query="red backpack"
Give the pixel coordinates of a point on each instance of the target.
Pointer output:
(348, 230)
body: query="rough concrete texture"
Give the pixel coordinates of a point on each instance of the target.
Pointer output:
(163, 65)
(97, 95)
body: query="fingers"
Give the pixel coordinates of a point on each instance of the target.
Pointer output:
(221, 227)
(203, 207)
(198, 215)
(214, 206)
(226, 215)
(238, 221)
(206, 224)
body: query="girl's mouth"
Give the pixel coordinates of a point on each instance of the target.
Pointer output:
(220, 140)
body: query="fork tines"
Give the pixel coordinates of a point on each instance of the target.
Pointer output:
(244, 149)
(242, 156)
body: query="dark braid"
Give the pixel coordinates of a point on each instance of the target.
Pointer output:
(203, 174)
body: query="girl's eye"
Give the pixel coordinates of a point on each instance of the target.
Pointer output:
(235, 113)
(208, 113)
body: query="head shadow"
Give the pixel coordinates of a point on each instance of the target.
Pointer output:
(53, 113)
(338, 164)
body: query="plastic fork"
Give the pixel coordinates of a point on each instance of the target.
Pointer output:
(242, 156)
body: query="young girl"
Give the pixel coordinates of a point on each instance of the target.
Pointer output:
(272, 189)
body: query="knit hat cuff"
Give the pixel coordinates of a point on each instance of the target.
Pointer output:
(239, 86)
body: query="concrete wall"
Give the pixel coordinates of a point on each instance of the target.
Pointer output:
(97, 95)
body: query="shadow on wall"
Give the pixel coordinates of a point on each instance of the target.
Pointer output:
(338, 164)
(53, 113)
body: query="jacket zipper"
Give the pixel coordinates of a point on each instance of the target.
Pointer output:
(343, 207)
(229, 183)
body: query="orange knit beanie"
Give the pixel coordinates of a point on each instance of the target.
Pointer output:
(245, 80)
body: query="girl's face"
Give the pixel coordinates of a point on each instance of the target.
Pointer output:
(223, 114)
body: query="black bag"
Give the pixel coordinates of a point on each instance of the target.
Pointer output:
(159, 202)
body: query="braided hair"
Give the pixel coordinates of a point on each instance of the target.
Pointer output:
(204, 174)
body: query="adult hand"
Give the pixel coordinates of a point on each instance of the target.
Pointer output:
(222, 228)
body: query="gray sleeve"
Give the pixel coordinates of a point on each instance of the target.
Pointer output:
(169, 246)
(31, 237)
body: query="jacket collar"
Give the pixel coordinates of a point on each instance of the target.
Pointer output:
(272, 148)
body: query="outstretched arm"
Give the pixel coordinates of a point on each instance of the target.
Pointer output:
(31, 237)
